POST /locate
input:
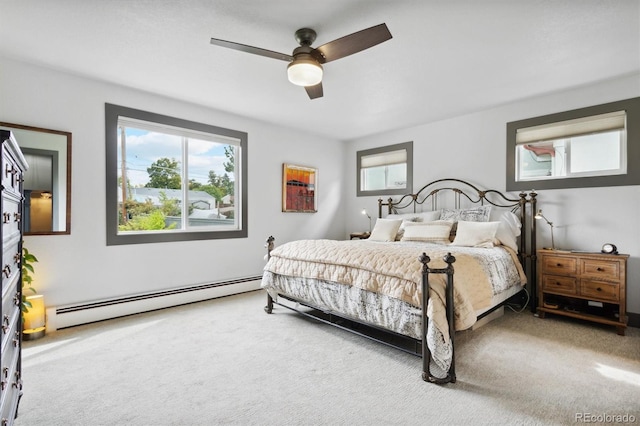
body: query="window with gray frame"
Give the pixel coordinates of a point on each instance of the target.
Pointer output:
(170, 179)
(386, 170)
(586, 147)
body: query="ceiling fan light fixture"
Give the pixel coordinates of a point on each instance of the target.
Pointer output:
(304, 71)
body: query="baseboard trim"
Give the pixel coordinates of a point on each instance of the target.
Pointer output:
(73, 315)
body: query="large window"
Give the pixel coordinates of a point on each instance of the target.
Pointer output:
(172, 180)
(385, 171)
(586, 147)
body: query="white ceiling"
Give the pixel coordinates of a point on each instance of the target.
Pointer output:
(446, 58)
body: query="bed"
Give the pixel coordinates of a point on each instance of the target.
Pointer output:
(456, 249)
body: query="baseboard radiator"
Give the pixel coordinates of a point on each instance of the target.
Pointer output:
(68, 316)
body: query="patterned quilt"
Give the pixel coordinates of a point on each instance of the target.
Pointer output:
(392, 269)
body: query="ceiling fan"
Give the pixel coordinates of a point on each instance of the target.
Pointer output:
(305, 63)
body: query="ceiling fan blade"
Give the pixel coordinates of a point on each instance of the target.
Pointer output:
(354, 43)
(314, 91)
(251, 49)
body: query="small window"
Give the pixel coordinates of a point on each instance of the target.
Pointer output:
(385, 171)
(172, 180)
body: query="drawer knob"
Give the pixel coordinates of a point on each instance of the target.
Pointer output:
(599, 289)
(5, 324)
(559, 264)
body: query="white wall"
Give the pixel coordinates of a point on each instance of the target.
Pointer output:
(80, 268)
(473, 147)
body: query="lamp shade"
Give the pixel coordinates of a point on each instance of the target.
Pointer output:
(304, 71)
(34, 319)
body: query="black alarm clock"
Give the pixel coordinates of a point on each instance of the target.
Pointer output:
(609, 248)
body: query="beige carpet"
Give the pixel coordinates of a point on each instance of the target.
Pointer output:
(225, 361)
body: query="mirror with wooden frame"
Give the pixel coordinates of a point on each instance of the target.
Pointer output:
(47, 182)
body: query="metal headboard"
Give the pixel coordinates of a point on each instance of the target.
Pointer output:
(467, 193)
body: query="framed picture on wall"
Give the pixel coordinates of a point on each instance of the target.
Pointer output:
(299, 186)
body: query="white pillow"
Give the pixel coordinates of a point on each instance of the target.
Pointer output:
(435, 231)
(509, 230)
(475, 234)
(413, 217)
(385, 230)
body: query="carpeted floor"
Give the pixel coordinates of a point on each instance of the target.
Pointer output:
(225, 361)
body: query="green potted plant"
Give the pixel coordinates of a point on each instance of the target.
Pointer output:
(28, 260)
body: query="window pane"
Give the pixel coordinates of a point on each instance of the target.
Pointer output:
(373, 178)
(397, 176)
(211, 179)
(585, 155)
(149, 181)
(599, 152)
(384, 177)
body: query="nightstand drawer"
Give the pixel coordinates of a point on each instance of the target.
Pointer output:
(559, 265)
(600, 269)
(562, 285)
(600, 290)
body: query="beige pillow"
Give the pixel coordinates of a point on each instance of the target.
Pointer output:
(385, 230)
(436, 231)
(413, 217)
(475, 234)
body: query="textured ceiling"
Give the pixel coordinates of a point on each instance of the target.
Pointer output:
(446, 58)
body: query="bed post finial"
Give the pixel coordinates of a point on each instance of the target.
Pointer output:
(424, 259)
(269, 245)
(449, 259)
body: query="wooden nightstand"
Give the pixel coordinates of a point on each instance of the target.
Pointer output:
(588, 286)
(359, 235)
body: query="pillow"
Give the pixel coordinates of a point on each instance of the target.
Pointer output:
(509, 230)
(435, 231)
(385, 230)
(474, 214)
(413, 217)
(475, 234)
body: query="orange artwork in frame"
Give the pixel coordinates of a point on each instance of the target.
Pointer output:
(299, 186)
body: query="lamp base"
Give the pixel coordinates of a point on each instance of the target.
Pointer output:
(33, 334)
